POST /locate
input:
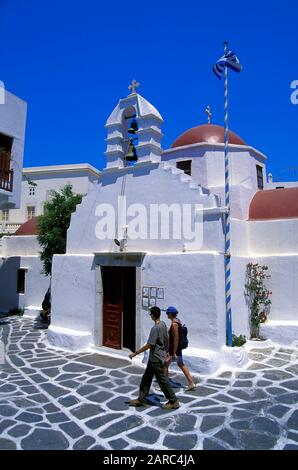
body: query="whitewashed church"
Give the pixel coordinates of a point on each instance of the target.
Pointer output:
(120, 260)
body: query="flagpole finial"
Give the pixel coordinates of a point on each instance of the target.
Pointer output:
(209, 114)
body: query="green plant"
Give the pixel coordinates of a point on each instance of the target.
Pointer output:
(238, 340)
(31, 183)
(45, 313)
(257, 295)
(52, 226)
(16, 311)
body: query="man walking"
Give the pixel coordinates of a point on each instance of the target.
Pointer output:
(157, 343)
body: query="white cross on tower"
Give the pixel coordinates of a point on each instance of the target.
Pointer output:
(209, 114)
(134, 84)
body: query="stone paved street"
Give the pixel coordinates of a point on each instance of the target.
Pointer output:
(51, 399)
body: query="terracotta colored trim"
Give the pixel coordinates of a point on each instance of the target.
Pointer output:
(274, 204)
(210, 133)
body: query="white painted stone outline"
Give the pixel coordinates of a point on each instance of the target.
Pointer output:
(147, 420)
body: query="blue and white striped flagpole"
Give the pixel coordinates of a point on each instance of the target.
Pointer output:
(227, 214)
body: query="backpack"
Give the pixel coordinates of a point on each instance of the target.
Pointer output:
(183, 336)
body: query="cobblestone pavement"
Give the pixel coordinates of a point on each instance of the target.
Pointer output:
(50, 399)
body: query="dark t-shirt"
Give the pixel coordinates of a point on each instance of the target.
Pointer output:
(158, 340)
(171, 340)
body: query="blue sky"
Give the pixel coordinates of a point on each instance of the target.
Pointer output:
(72, 60)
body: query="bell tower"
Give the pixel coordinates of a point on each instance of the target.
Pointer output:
(134, 123)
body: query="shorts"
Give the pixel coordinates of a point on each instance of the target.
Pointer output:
(179, 360)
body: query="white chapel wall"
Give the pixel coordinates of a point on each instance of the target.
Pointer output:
(145, 185)
(77, 303)
(273, 237)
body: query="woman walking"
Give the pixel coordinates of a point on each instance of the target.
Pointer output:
(175, 351)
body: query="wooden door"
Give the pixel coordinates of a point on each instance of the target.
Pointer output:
(112, 306)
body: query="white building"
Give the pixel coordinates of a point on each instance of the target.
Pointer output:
(108, 287)
(12, 136)
(46, 179)
(271, 184)
(21, 268)
(101, 292)
(22, 284)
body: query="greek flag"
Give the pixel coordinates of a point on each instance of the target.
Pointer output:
(228, 60)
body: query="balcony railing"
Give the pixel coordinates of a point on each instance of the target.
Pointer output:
(6, 180)
(9, 227)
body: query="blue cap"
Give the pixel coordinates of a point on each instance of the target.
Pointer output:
(172, 309)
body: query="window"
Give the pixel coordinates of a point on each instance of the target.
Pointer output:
(5, 215)
(5, 153)
(21, 281)
(30, 212)
(260, 180)
(5, 162)
(6, 142)
(185, 165)
(32, 191)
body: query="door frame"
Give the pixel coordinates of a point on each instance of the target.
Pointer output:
(124, 259)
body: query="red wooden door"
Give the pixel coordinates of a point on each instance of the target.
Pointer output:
(112, 306)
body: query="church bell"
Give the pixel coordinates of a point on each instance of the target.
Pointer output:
(131, 155)
(133, 127)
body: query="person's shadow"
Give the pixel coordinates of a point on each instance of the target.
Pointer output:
(4, 319)
(40, 324)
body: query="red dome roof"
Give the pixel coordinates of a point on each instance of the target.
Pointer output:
(207, 133)
(28, 228)
(274, 204)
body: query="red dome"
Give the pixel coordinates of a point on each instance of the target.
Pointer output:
(274, 204)
(28, 228)
(210, 133)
